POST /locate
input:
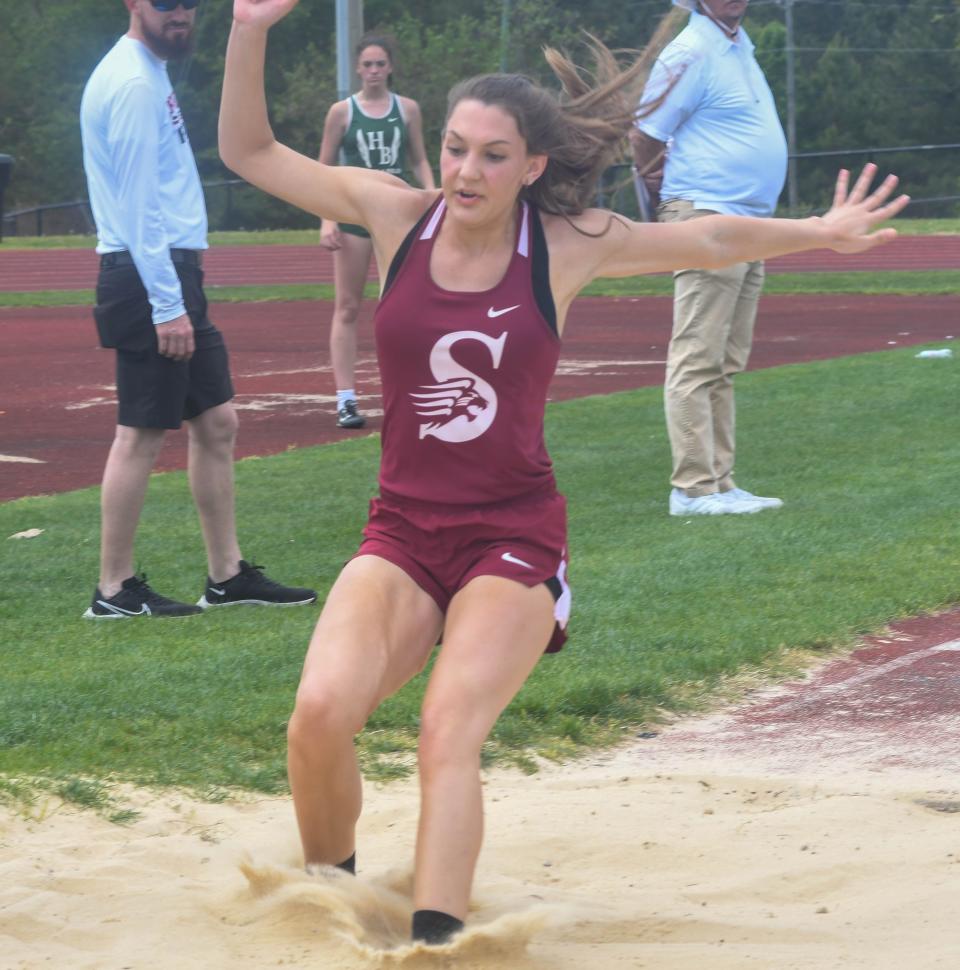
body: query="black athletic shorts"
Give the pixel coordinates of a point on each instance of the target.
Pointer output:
(152, 390)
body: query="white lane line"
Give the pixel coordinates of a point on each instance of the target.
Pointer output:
(94, 402)
(574, 367)
(21, 458)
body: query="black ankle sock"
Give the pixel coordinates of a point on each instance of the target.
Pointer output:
(432, 926)
(349, 865)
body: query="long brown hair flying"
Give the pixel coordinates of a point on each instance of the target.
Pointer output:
(583, 129)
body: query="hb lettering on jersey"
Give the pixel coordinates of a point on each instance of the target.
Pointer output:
(371, 142)
(461, 405)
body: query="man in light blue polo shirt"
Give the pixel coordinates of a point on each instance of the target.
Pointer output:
(715, 145)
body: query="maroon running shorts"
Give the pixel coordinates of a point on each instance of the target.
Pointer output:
(441, 548)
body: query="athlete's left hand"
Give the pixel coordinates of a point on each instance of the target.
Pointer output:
(856, 212)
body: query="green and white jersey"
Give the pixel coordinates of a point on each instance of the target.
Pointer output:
(379, 143)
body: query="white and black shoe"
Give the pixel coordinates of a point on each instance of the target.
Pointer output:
(136, 598)
(253, 588)
(349, 417)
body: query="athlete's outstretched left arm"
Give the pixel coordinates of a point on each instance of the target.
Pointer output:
(715, 241)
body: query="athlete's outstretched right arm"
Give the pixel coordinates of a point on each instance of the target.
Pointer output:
(248, 146)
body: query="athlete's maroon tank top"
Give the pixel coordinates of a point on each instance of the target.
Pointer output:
(465, 377)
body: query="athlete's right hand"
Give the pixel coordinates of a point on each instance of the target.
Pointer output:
(330, 236)
(175, 338)
(261, 13)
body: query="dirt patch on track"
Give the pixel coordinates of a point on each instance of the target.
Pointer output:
(894, 703)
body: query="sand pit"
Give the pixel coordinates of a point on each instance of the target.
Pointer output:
(623, 860)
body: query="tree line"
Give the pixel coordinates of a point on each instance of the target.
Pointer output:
(869, 73)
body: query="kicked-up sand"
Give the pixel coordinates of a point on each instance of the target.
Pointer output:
(615, 862)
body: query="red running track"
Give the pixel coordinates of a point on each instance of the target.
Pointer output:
(76, 269)
(57, 407)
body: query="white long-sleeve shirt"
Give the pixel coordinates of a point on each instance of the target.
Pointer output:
(142, 178)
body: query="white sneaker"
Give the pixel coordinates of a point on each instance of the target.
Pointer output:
(713, 504)
(742, 495)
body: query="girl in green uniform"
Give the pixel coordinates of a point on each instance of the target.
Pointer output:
(378, 129)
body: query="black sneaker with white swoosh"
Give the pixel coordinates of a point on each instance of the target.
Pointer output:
(349, 417)
(136, 598)
(252, 587)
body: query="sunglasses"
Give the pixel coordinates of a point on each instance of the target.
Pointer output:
(165, 6)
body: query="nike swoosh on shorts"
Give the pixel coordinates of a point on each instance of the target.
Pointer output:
(509, 557)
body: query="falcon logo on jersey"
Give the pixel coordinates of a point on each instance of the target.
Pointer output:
(461, 405)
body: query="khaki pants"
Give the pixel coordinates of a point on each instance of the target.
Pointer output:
(713, 317)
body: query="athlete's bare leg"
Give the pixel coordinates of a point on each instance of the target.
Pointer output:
(351, 263)
(376, 631)
(496, 631)
(125, 478)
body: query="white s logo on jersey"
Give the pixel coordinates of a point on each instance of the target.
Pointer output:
(461, 405)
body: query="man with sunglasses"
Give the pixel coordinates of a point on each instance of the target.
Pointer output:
(171, 361)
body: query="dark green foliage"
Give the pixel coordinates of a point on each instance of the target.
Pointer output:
(849, 95)
(870, 76)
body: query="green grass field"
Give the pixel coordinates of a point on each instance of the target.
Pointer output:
(669, 613)
(306, 237)
(893, 283)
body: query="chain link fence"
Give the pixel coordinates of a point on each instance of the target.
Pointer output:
(233, 204)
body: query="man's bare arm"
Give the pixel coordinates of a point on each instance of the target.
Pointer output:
(649, 156)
